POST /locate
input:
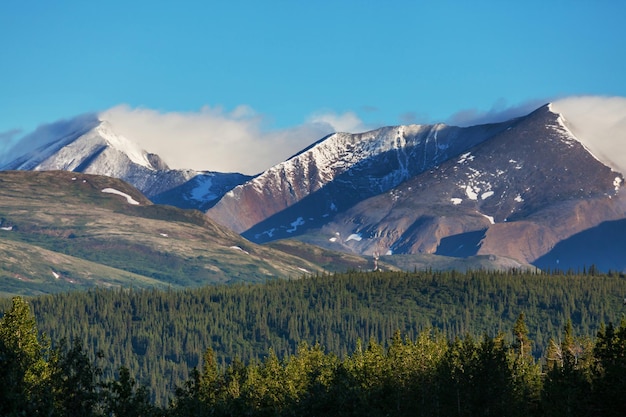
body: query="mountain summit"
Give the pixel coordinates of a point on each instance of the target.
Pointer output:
(89, 145)
(513, 189)
(524, 189)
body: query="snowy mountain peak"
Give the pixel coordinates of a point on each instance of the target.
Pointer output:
(137, 155)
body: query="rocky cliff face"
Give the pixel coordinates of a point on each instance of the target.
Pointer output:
(337, 173)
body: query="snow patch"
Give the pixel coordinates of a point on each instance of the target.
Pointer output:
(354, 236)
(239, 249)
(518, 198)
(333, 239)
(471, 194)
(163, 234)
(490, 218)
(486, 195)
(55, 275)
(617, 182)
(456, 201)
(7, 228)
(117, 192)
(465, 157)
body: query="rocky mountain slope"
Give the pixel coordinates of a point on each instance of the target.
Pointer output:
(517, 195)
(514, 190)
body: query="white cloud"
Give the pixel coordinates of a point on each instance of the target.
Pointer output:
(345, 122)
(600, 124)
(215, 140)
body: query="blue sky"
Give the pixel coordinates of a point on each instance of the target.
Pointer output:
(285, 64)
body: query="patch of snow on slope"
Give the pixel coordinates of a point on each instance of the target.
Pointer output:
(486, 195)
(456, 201)
(465, 157)
(239, 249)
(617, 182)
(518, 198)
(490, 218)
(128, 198)
(599, 123)
(354, 236)
(471, 194)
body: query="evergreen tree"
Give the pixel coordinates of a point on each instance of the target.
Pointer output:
(24, 370)
(75, 382)
(610, 371)
(123, 397)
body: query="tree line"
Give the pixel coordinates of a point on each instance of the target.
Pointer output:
(160, 336)
(427, 376)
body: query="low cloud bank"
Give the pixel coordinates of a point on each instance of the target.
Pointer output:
(212, 139)
(215, 140)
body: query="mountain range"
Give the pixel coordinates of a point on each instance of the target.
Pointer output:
(528, 189)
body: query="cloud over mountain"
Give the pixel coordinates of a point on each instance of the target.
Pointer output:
(600, 124)
(235, 141)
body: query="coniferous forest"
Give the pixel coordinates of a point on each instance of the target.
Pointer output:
(385, 343)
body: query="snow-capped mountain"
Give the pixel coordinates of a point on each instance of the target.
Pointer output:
(89, 145)
(524, 189)
(514, 189)
(337, 172)
(516, 194)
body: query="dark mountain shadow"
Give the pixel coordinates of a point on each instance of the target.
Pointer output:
(181, 195)
(462, 245)
(603, 246)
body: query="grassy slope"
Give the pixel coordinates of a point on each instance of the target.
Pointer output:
(63, 213)
(62, 224)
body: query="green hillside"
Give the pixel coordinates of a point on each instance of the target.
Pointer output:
(59, 230)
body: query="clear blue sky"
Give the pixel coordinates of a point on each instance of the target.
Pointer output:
(389, 62)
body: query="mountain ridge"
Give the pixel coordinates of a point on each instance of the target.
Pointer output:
(514, 189)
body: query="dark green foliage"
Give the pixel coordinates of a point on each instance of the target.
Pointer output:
(75, 382)
(428, 375)
(161, 335)
(610, 371)
(123, 397)
(24, 370)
